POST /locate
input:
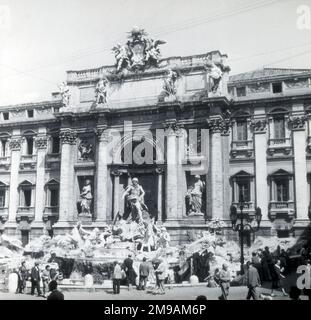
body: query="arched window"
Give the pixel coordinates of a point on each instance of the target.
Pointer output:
(29, 142)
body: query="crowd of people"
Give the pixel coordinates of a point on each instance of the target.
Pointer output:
(126, 273)
(45, 279)
(264, 267)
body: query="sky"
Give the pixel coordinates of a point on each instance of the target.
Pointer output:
(41, 39)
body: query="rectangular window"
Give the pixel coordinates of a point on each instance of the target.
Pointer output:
(282, 190)
(279, 128)
(6, 116)
(25, 237)
(243, 190)
(241, 91)
(29, 142)
(277, 87)
(3, 148)
(27, 197)
(54, 194)
(241, 131)
(2, 198)
(55, 144)
(30, 113)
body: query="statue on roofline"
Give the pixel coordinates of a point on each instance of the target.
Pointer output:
(101, 91)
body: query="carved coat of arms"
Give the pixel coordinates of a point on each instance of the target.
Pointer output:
(139, 53)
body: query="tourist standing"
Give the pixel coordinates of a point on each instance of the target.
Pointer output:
(22, 277)
(129, 271)
(116, 277)
(35, 279)
(224, 282)
(144, 270)
(161, 273)
(55, 294)
(278, 279)
(46, 279)
(253, 281)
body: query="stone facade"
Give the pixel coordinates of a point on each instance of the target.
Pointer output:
(252, 140)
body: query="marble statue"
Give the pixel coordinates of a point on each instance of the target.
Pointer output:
(122, 57)
(170, 83)
(101, 91)
(65, 94)
(134, 195)
(153, 53)
(86, 198)
(194, 196)
(215, 75)
(85, 150)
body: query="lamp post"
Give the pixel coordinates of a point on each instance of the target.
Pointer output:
(242, 226)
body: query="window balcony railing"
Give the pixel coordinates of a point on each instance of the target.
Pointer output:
(242, 144)
(25, 213)
(279, 142)
(281, 205)
(29, 158)
(23, 209)
(248, 207)
(280, 145)
(4, 213)
(4, 160)
(281, 209)
(242, 148)
(51, 210)
(53, 157)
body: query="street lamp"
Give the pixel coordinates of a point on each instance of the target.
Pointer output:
(241, 226)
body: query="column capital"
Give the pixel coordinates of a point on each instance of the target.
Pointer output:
(41, 142)
(68, 136)
(219, 125)
(102, 133)
(15, 143)
(297, 122)
(172, 127)
(259, 125)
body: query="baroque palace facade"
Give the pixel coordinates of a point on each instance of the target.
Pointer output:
(252, 138)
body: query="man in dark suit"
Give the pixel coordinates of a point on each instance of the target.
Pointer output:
(35, 279)
(253, 281)
(144, 269)
(55, 294)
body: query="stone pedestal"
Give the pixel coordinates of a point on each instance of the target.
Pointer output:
(12, 282)
(88, 280)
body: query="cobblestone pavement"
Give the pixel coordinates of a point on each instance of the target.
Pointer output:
(182, 293)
